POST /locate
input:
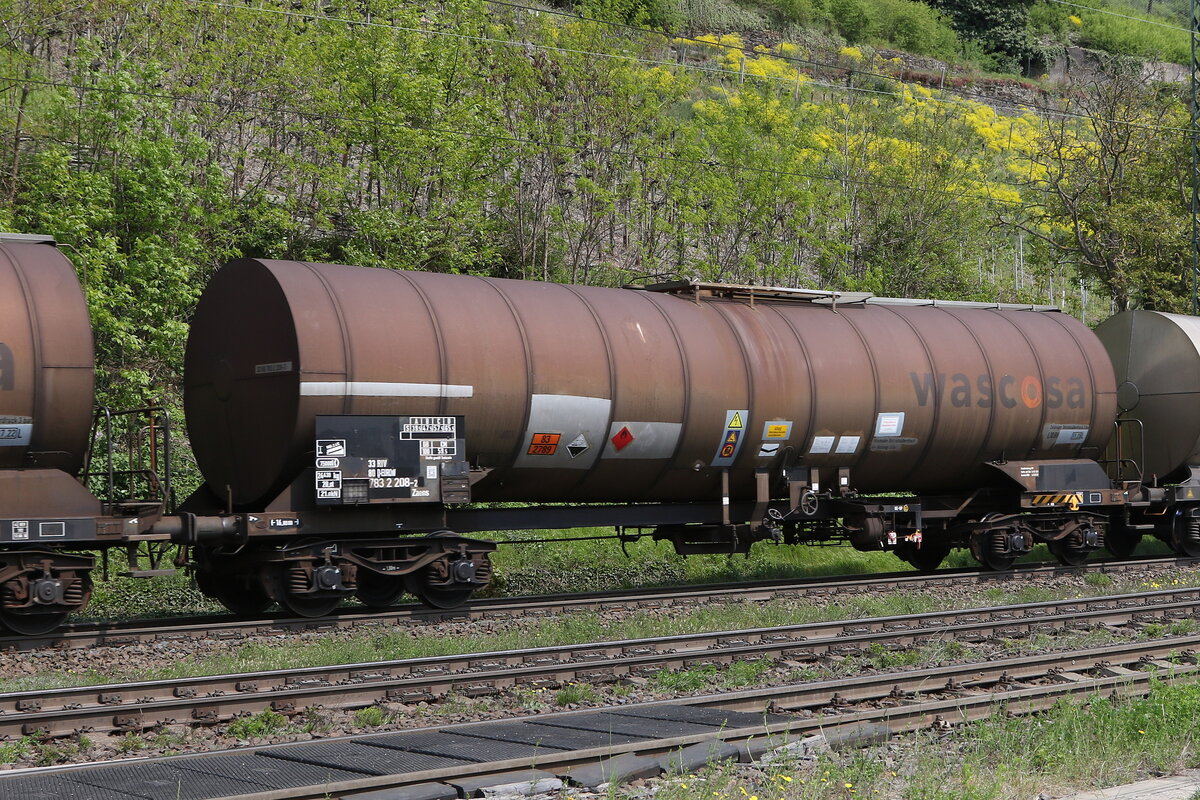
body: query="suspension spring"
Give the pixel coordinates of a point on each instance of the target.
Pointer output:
(999, 541)
(298, 580)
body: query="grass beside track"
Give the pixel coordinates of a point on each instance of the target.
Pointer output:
(387, 643)
(1081, 744)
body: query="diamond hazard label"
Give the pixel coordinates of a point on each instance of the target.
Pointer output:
(579, 445)
(622, 439)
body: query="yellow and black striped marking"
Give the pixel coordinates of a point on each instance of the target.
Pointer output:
(1071, 499)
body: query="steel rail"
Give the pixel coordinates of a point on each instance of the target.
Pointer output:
(215, 699)
(905, 709)
(225, 626)
(904, 701)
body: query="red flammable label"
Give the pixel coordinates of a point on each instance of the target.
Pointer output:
(622, 439)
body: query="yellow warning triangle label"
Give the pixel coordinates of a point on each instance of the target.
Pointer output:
(736, 422)
(1191, 494)
(731, 438)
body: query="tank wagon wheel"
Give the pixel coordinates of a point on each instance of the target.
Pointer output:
(1187, 537)
(426, 583)
(926, 558)
(1067, 553)
(305, 605)
(242, 599)
(34, 623)
(439, 596)
(1120, 540)
(1182, 534)
(379, 591)
(295, 582)
(310, 606)
(990, 548)
(235, 592)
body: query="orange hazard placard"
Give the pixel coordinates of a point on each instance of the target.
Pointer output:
(544, 444)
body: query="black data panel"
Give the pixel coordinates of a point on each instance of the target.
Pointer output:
(387, 459)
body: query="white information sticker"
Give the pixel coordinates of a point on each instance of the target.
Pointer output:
(331, 448)
(16, 434)
(273, 368)
(890, 424)
(847, 445)
(329, 483)
(1072, 436)
(822, 444)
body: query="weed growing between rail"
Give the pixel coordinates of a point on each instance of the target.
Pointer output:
(269, 726)
(369, 644)
(1080, 744)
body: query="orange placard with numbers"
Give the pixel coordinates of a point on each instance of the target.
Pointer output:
(544, 444)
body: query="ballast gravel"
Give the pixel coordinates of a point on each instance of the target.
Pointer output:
(129, 661)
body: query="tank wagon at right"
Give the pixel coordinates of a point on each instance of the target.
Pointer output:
(1156, 450)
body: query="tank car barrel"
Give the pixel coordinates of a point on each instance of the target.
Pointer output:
(578, 393)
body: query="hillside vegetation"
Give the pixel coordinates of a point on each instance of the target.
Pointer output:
(158, 140)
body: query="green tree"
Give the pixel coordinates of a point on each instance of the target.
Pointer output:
(1110, 189)
(1000, 26)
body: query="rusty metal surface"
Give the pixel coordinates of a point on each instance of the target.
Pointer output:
(46, 361)
(44, 492)
(648, 386)
(1156, 357)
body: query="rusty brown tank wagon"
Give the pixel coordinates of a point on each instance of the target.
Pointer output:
(335, 399)
(46, 379)
(47, 513)
(357, 427)
(575, 393)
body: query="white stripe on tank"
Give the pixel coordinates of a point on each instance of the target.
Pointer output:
(381, 389)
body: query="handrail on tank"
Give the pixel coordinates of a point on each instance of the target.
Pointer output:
(1121, 461)
(158, 418)
(737, 291)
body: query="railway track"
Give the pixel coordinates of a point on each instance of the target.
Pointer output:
(636, 739)
(217, 699)
(224, 626)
